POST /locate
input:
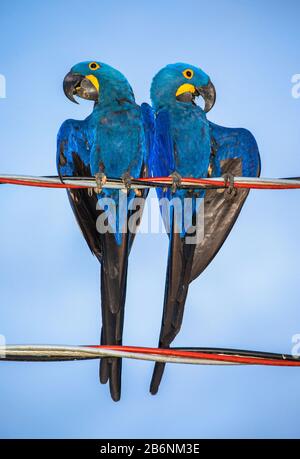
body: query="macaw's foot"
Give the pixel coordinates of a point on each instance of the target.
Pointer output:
(101, 180)
(230, 190)
(127, 181)
(176, 181)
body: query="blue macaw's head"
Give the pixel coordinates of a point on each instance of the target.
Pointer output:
(97, 81)
(182, 83)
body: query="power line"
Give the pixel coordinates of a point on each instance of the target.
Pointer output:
(152, 182)
(196, 356)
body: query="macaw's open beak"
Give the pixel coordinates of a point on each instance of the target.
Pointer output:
(86, 87)
(188, 93)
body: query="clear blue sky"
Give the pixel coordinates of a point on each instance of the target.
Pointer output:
(49, 282)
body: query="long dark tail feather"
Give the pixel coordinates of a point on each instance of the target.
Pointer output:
(180, 263)
(104, 366)
(113, 294)
(110, 368)
(115, 379)
(114, 264)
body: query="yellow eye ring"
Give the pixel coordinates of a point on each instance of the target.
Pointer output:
(94, 66)
(188, 73)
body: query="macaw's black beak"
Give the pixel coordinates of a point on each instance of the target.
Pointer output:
(209, 95)
(79, 85)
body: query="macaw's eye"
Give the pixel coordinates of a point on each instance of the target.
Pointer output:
(188, 73)
(94, 66)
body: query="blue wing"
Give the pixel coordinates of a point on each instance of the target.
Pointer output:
(73, 140)
(73, 159)
(230, 143)
(234, 151)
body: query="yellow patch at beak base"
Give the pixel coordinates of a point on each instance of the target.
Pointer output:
(185, 88)
(94, 81)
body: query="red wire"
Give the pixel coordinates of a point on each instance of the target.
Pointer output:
(38, 184)
(221, 183)
(203, 355)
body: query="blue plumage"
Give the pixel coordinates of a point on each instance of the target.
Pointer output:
(187, 144)
(113, 141)
(182, 133)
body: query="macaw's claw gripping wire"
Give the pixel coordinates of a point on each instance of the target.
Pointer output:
(153, 182)
(196, 356)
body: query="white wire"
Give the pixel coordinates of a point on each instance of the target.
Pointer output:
(45, 352)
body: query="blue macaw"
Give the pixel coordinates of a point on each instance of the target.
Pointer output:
(186, 144)
(112, 142)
